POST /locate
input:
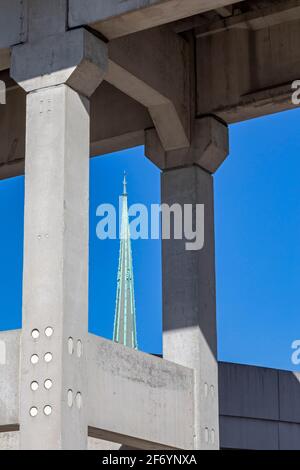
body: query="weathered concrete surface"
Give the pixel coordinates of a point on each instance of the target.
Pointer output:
(139, 68)
(247, 419)
(269, 14)
(133, 398)
(13, 22)
(139, 399)
(189, 310)
(249, 81)
(55, 267)
(76, 58)
(118, 18)
(10, 440)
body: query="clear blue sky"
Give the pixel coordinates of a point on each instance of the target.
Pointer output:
(257, 245)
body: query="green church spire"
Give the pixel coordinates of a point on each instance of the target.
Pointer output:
(125, 317)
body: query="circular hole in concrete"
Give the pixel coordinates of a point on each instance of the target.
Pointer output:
(48, 384)
(70, 345)
(79, 400)
(70, 398)
(49, 332)
(79, 348)
(47, 410)
(34, 359)
(33, 412)
(48, 357)
(34, 386)
(35, 334)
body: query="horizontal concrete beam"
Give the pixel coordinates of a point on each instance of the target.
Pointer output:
(13, 22)
(138, 67)
(259, 407)
(123, 127)
(134, 398)
(251, 80)
(118, 18)
(144, 398)
(271, 15)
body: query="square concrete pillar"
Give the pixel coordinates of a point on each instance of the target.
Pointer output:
(53, 399)
(59, 73)
(189, 300)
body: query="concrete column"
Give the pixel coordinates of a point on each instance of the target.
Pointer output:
(189, 295)
(53, 381)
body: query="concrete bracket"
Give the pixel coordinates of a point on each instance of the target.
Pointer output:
(75, 58)
(208, 150)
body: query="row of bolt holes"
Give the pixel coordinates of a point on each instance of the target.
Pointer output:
(48, 383)
(48, 409)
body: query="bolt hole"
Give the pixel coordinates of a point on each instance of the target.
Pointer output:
(48, 384)
(70, 345)
(70, 398)
(47, 410)
(35, 334)
(34, 359)
(79, 400)
(79, 348)
(34, 386)
(33, 412)
(49, 332)
(48, 357)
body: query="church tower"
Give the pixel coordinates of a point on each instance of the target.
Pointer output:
(125, 317)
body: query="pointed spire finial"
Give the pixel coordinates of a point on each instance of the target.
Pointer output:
(125, 184)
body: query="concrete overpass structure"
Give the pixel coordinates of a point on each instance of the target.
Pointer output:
(87, 77)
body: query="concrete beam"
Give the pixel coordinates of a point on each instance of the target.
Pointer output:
(137, 399)
(13, 22)
(133, 398)
(253, 80)
(116, 18)
(259, 407)
(124, 126)
(271, 15)
(138, 67)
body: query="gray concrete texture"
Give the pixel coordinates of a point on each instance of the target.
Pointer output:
(143, 389)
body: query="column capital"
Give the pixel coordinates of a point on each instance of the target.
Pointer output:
(209, 147)
(75, 58)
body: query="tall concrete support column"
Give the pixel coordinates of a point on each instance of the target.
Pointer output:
(59, 74)
(189, 294)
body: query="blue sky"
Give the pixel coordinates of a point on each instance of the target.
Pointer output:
(257, 194)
